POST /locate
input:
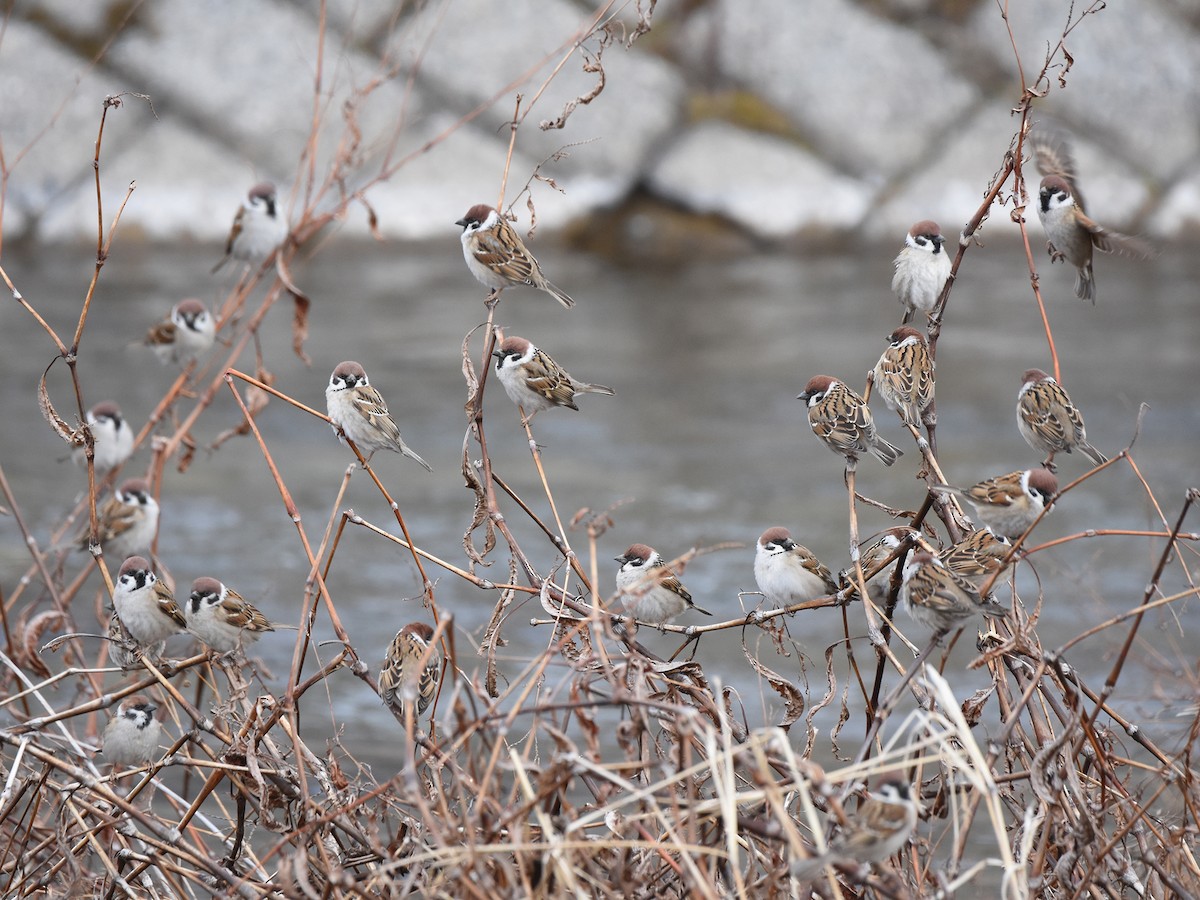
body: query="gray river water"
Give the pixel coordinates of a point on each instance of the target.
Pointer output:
(704, 439)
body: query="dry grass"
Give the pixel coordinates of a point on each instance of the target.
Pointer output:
(595, 769)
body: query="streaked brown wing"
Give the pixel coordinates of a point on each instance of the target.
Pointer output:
(507, 258)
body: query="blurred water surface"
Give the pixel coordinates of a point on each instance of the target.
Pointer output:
(705, 440)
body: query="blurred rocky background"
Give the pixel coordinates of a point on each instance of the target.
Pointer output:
(777, 120)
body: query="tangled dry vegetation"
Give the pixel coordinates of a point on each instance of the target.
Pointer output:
(597, 769)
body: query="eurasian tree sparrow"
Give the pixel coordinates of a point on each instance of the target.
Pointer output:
(841, 419)
(977, 555)
(648, 590)
(1049, 421)
(128, 521)
(187, 333)
(922, 268)
(497, 257)
(788, 572)
(360, 414)
(403, 677)
(1070, 234)
(1008, 504)
(146, 607)
(221, 618)
(122, 648)
(939, 599)
(904, 374)
(878, 829)
(132, 736)
(113, 438)
(872, 556)
(258, 228)
(536, 382)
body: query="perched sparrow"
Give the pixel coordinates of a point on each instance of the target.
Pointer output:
(1070, 234)
(145, 605)
(221, 618)
(922, 268)
(841, 419)
(787, 572)
(184, 335)
(937, 598)
(257, 228)
(359, 413)
(878, 829)
(649, 590)
(977, 555)
(122, 648)
(497, 257)
(872, 556)
(904, 374)
(534, 381)
(1008, 504)
(411, 670)
(1049, 421)
(132, 736)
(112, 434)
(128, 521)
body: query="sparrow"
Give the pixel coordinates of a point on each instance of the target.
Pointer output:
(128, 521)
(977, 555)
(649, 591)
(938, 598)
(221, 618)
(411, 670)
(360, 414)
(922, 267)
(1049, 421)
(132, 736)
(187, 333)
(1009, 504)
(536, 382)
(788, 572)
(497, 257)
(904, 374)
(842, 419)
(112, 436)
(146, 607)
(1070, 234)
(122, 648)
(873, 555)
(257, 228)
(878, 829)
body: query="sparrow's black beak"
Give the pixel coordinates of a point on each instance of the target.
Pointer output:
(498, 353)
(937, 243)
(461, 223)
(803, 396)
(619, 559)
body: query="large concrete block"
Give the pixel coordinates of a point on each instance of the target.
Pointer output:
(1134, 84)
(767, 185)
(477, 53)
(868, 93)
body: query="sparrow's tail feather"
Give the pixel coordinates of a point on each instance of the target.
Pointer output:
(559, 295)
(1085, 284)
(596, 389)
(1092, 453)
(701, 609)
(884, 452)
(808, 869)
(407, 451)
